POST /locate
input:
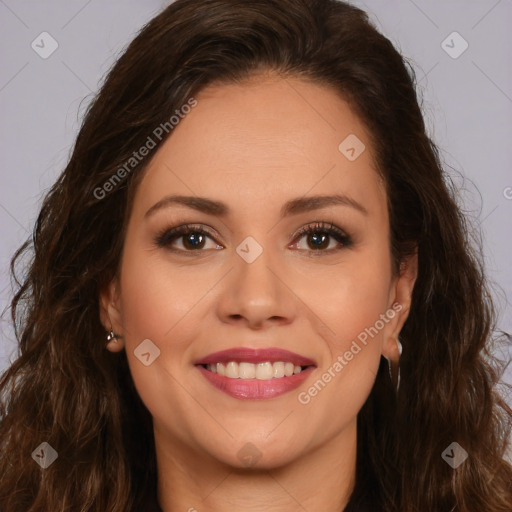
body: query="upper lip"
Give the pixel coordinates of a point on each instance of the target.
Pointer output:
(251, 355)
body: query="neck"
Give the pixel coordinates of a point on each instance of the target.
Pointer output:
(321, 478)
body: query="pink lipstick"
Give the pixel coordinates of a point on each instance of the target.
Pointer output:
(255, 374)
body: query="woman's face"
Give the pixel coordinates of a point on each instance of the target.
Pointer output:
(263, 157)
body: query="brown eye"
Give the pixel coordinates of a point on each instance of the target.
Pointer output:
(320, 234)
(193, 238)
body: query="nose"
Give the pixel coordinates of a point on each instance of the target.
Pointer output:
(256, 294)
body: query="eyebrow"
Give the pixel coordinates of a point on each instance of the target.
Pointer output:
(292, 207)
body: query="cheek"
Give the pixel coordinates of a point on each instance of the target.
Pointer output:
(355, 310)
(157, 296)
(354, 297)
(364, 301)
(158, 304)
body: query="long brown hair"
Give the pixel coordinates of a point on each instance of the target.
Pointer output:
(67, 390)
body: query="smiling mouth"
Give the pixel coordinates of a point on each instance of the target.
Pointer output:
(255, 371)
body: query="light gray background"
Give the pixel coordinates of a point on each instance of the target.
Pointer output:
(467, 106)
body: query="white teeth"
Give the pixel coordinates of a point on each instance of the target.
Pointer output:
(246, 371)
(264, 371)
(260, 371)
(232, 370)
(288, 369)
(278, 370)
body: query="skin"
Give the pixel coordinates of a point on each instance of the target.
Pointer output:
(255, 146)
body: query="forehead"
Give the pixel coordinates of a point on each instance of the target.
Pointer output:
(264, 140)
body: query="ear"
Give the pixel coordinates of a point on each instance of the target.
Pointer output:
(110, 315)
(400, 302)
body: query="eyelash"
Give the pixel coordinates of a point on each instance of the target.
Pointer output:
(166, 236)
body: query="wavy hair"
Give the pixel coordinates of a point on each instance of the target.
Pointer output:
(66, 389)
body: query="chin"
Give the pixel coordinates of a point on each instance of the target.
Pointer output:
(257, 452)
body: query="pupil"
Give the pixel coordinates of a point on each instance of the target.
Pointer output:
(316, 237)
(194, 240)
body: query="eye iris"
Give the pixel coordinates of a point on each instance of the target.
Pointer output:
(321, 239)
(194, 240)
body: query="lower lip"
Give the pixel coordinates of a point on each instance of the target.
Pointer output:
(255, 389)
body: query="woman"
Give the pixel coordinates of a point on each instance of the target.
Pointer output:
(251, 287)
